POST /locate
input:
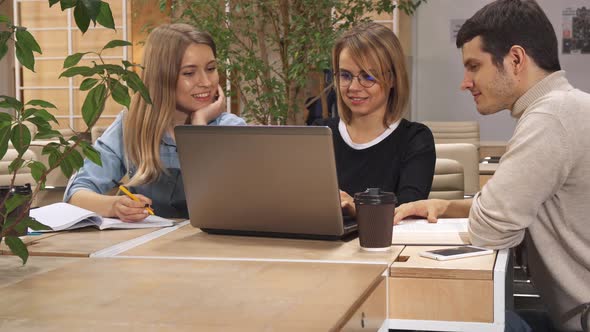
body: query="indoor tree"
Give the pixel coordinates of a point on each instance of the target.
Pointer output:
(271, 47)
(102, 80)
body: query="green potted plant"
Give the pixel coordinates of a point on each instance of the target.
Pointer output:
(270, 48)
(102, 80)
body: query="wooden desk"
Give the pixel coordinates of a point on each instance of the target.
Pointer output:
(78, 243)
(191, 242)
(12, 269)
(456, 295)
(191, 295)
(27, 240)
(186, 263)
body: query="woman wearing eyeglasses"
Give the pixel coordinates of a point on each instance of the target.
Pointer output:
(374, 146)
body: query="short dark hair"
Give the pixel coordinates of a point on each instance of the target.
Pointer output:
(504, 23)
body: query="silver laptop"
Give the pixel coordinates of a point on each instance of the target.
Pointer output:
(262, 180)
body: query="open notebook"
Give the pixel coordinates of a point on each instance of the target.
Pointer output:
(451, 231)
(64, 216)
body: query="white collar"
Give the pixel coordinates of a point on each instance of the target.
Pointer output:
(377, 140)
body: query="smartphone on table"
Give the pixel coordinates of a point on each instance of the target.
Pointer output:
(455, 252)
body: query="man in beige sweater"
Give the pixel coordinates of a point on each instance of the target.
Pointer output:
(541, 189)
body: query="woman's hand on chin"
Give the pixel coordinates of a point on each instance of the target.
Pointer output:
(210, 112)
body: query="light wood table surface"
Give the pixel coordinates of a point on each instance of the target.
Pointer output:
(27, 240)
(12, 269)
(188, 241)
(454, 290)
(112, 294)
(478, 267)
(81, 242)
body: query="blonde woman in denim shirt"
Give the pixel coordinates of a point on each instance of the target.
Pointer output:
(180, 72)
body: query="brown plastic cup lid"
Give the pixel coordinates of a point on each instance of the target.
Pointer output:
(375, 196)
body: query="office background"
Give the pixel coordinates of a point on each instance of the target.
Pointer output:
(438, 69)
(435, 62)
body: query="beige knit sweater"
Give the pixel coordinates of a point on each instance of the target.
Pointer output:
(541, 192)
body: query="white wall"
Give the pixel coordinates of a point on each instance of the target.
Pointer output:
(438, 68)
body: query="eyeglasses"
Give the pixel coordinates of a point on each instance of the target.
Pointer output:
(345, 78)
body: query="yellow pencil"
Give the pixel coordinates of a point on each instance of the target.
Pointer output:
(133, 197)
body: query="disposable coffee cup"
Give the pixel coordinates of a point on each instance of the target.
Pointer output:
(374, 215)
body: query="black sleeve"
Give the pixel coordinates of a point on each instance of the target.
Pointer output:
(417, 169)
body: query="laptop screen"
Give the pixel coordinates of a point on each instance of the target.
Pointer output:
(268, 179)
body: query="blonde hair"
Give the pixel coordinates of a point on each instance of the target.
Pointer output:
(379, 53)
(145, 124)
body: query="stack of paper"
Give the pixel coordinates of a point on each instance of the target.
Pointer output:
(421, 232)
(64, 216)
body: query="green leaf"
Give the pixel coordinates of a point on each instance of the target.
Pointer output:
(83, 144)
(52, 2)
(40, 123)
(82, 70)
(4, 36)
(4, 138)
(81, 17)
(16, 164)
(117, 43)
(49, 147)
(10, 102)
(54, 156)
(74, 158)
(91, 154)
(110, 68)
(15, 201)
(43, 114)
(45, 133)
(28, 113)
(128, 64)
(5, 117)
(17, 247)
(25, 56)
(92, 8)
(20, 138)
(20, 227)
(65, 4)
(120, 93)
(66, 168)
(25, 37)
(88, 83)
(37, 169)
(35, 225)
(105, 16)
(135, 83)
(93, 104)
(42, 103)
(3, 50)
(73, 59)
(4, 19)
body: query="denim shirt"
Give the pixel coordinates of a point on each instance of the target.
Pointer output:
(167, 192)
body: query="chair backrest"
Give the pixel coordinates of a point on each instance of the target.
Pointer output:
(466, 154)
(96, 132)
(448, 180)
(454, 131)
